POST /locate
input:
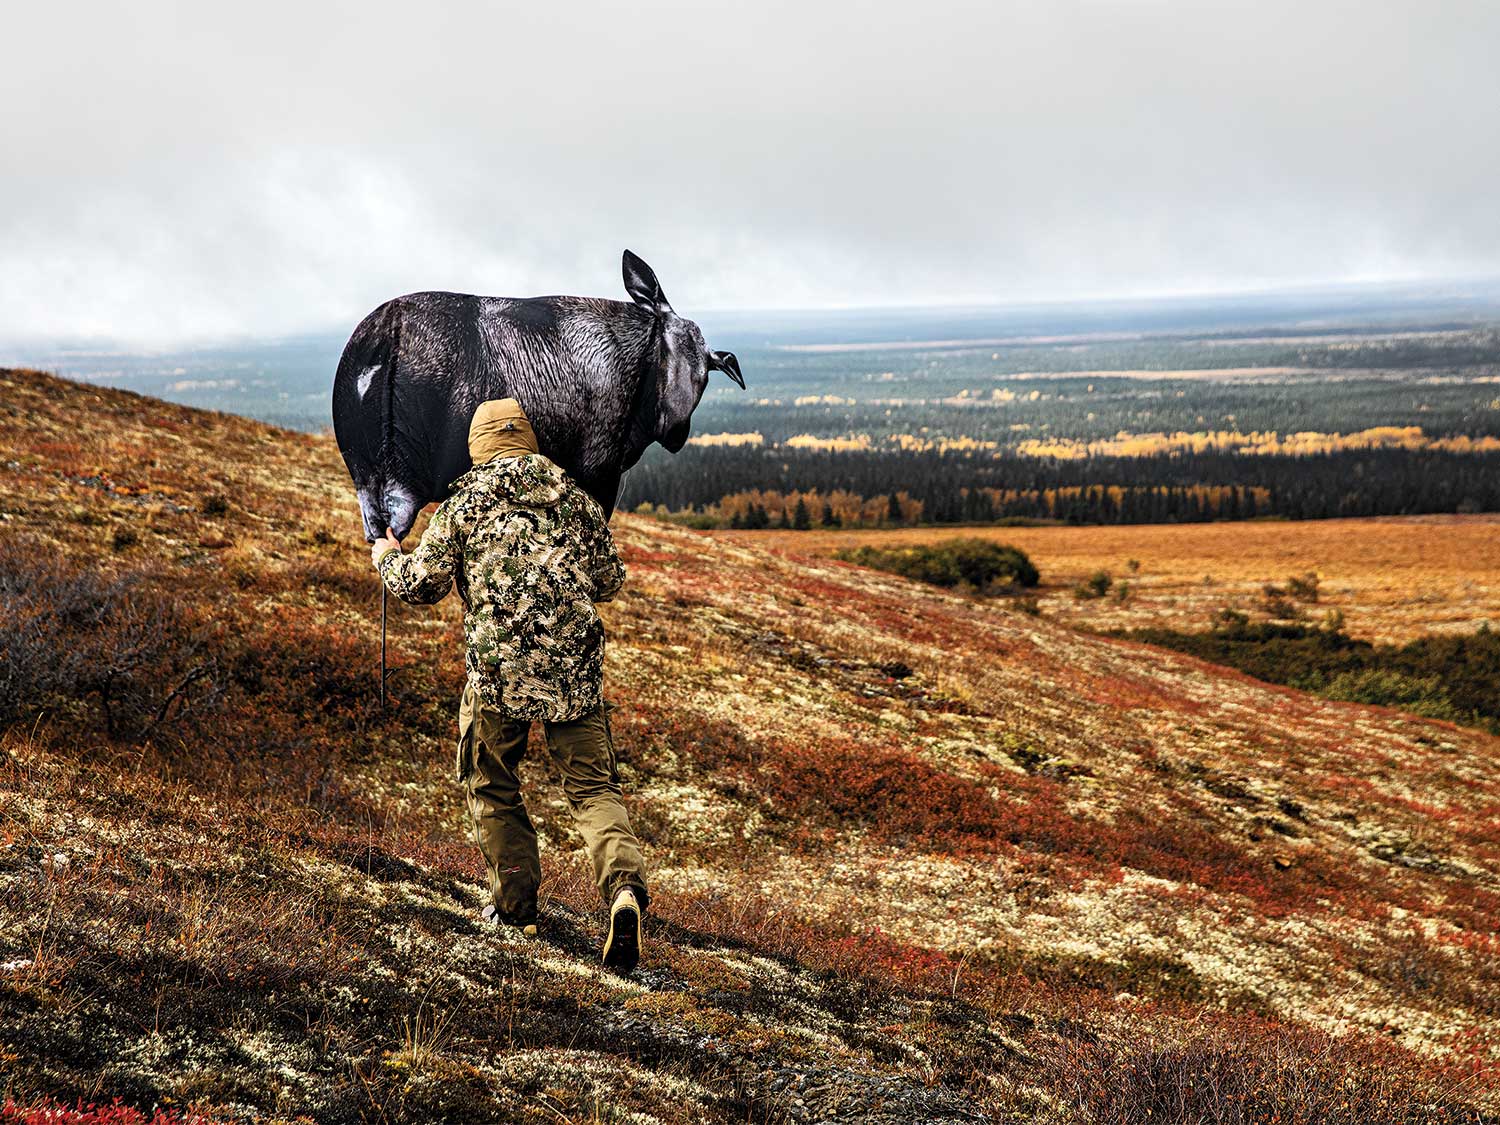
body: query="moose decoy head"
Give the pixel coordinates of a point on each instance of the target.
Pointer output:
(682, 362)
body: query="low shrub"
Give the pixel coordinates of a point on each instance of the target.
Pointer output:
(76, 637)
(1244, 1074)
(336, 575)
(1456, 678)
(974, 564)
(55, 1113)
(1421, 695)
(900, 798)
(1276, 605)
(1303, 587)
(1096, 585)
(126, 656)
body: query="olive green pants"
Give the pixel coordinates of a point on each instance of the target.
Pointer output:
(490, 748)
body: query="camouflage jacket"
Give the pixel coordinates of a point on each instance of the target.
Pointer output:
(530, 553)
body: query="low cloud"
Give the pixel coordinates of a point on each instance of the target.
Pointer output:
(180, 172)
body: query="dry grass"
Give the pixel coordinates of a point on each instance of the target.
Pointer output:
(1394, 578)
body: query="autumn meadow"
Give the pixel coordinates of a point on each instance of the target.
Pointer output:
(1393, 578)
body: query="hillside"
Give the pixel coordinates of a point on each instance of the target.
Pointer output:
(914, 858)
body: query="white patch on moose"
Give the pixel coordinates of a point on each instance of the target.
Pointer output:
(364, 379)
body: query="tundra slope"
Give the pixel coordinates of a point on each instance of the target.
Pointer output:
(914, 858)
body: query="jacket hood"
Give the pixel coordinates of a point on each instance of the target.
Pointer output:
(500, 429)
(530, 480)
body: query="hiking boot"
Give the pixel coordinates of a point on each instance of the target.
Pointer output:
(493, 916)
(622, 948)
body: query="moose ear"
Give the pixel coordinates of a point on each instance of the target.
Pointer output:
(641, 284)
(727, 363)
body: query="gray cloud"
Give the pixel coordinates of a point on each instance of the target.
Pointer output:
(172, 171)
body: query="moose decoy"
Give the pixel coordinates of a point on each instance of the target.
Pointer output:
(600, 380)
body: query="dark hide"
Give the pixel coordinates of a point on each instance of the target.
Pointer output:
(600, 380)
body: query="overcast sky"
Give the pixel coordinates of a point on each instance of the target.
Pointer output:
(188, 170)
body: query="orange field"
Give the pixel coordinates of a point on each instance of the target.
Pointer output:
(1393, 578)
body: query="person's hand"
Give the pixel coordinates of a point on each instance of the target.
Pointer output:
(384, 544)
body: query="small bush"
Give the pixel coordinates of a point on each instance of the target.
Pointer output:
(1303, 587)
(975, 564)
(357, 583)
(124, 538)
(1095, 586)
(1456, 678)
(698, 521)
(74, 636)
(1278, 607)
(215, 505)
(55, 1113)
(1421, 695)
(1255, 1074)
(1230, 620)
(311, 671)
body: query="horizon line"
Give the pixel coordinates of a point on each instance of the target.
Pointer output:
(1412, 285)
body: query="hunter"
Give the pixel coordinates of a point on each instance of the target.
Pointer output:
(531, 553)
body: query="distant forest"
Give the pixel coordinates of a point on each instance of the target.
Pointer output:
(761, 487)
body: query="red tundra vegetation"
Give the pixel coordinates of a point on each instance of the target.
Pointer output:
(914, 856)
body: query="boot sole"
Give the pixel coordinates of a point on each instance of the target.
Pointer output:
(622, 949)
